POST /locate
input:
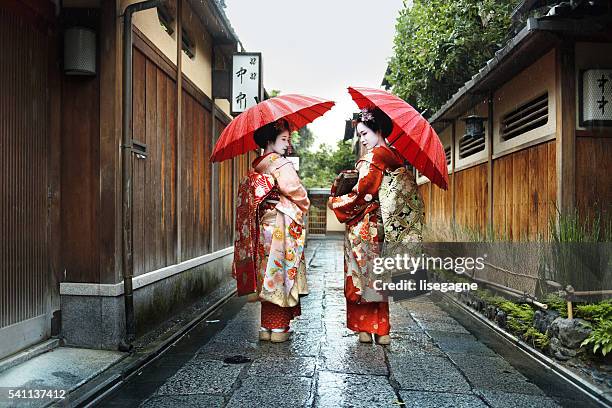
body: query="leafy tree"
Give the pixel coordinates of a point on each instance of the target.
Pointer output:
(440, 44)
(302, 139)
(319, 168)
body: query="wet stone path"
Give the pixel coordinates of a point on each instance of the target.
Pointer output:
(433, 361)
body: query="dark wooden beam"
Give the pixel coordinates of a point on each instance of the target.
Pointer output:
(179, 128)
(566, 125)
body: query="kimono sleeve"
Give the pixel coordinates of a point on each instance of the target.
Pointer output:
(351, 205)
(290, 186)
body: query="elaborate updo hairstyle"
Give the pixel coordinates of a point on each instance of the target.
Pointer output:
(375, 119)
(269, 132)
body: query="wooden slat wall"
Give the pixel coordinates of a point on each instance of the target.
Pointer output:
(155, 179)
(594, 175)
(195, 178)
(441, 205)
(524, 192)
(225, 201)
(424, 191)
(80, 181)
(154, 220)
(24, 178)
(471, 197)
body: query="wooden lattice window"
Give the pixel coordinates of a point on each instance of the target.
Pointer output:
(317, 216)
(529, 116)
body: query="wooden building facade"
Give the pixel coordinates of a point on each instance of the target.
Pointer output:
(60, 148)
(537, 157)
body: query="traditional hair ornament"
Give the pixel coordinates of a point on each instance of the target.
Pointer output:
(366, 115)
(281, 124)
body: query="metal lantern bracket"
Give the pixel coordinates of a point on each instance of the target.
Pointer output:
(139, 149)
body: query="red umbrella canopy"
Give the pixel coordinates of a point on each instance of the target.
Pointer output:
(298, 110)
(412, 135)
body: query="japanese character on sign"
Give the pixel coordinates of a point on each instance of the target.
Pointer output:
(246, 81)
(596, 98)
(240, 73)
(601, 83)
(241, 100)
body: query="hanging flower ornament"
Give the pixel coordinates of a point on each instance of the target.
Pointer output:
(366, 115)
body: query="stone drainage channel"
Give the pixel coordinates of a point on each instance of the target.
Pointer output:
(440, 356)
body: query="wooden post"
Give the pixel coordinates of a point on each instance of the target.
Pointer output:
(489, 226)
(214, 189)
(566, 125)
(110, 198)
(430, 204)
(453, 194)
(179, 126)
(570, 310)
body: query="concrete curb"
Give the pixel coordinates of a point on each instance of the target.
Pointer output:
(106, 382)
(29, 353)
(563, 373)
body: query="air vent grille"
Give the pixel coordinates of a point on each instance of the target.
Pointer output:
(526, 117)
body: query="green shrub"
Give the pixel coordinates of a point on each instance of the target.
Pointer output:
(600, 338)
(520, 317)
(557, 303)
(595, 311)
(537, 339)
(488, 297)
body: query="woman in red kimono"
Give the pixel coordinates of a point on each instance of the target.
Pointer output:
(360, 211)
(281, 216)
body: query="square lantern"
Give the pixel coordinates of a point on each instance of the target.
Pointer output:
(596, 97)
(474, 126)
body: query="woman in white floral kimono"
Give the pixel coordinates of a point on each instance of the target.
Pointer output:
(281, 268)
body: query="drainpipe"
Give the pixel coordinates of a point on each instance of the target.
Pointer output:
(126, 171)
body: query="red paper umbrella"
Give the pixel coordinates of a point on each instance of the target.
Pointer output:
(412, 135)
(237, 137)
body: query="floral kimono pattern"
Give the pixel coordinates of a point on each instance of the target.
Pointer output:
(281, 272)
(401, 207)
(253, 189)
(367, 309)
(360, 210)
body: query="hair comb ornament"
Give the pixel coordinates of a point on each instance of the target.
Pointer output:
(279, 125)
(366, 115)
(283, 124)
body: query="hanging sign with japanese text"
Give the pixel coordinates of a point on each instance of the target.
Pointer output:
(596, 97)
(247, 84)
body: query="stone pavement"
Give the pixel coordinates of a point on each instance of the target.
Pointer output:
(433, 361)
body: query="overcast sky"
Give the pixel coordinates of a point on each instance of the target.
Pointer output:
(319, 48)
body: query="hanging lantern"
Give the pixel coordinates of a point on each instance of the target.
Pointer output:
(79, 51)
(474, 126)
